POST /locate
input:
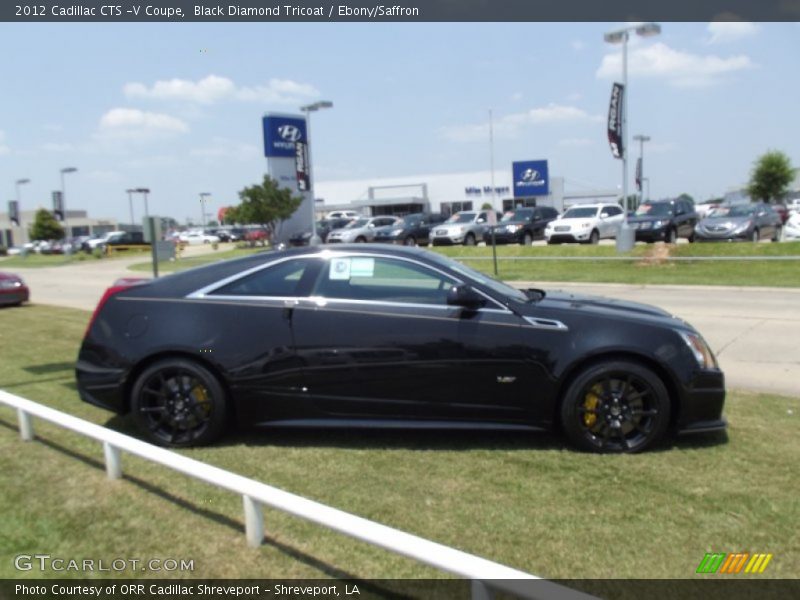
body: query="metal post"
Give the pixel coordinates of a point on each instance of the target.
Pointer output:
(626, 236)
(25, 425)
(113, 461)
(253, 521)
(151, 226)
(314, 240)
(64, 206)
(494, 199)
(130, 206)
(480, 591)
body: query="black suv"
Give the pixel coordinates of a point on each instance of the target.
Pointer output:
(411, 230)
(522, 225)
(664, 220)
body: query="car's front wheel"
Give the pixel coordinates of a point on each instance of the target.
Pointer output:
(410, 241)
(469, 240)
(179, 403)
(615, 406)
(527, 240)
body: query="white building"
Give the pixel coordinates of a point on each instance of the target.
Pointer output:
(78, 222)
(445, 193)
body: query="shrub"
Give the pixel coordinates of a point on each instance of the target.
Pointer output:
(98, 252)
(3, 251)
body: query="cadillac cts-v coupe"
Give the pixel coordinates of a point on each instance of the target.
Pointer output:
(384, 336)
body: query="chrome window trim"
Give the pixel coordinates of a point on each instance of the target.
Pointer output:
(326, 254)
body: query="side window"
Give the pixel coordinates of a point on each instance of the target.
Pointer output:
(280, 280)
(381, 279)
(613, 211)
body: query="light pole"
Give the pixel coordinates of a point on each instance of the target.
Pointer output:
(626, 236)
(641, 139)
(18, 183)
(131, 192)
(144, 191)
(64, 171)
(308, 109)
(203, 196)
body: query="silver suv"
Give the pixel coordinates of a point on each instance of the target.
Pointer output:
(465, 227)
(360, 230)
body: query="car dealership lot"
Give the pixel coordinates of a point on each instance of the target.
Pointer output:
(754, 331)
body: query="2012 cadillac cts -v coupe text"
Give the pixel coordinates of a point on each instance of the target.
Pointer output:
(390, 337)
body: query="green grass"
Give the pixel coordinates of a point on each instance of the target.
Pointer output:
(195, 261)
(523, 500)
(731, 272)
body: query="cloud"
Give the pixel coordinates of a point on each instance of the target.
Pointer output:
(680, 69)
(213, 88)
(510, 125)
(721, 32)
(132, 123)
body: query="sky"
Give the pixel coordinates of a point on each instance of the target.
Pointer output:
(177, 107)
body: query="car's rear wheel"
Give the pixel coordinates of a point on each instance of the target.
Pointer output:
(361, 239)
(469, 240)
(178, 402)
(615, 406)
(527, 240)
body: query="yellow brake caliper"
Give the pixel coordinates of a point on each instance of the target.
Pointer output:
(201, 397)
(590, 403)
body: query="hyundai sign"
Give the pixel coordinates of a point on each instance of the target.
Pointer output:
(530, 178)
(281, 135)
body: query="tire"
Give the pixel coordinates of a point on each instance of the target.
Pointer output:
(691, 239)
(527, 239)
(361, 239)
(410, 241)
(594, 237)
(469, 239)
(672, 236)
(179, 403)
(755, 236)
(615, 406)
(777, 235)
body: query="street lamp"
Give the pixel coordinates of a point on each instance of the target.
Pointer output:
(641, 139)
(18, 183)
(64, 171)
(626, 236)
(203, 196)
(144, 191)
(131, 192)
(308, 109)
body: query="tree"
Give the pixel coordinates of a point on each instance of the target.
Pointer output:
(772, 173)
(45, 226)
(686, 197)
(265, 204)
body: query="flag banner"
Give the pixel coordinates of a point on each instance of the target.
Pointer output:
(615, 120)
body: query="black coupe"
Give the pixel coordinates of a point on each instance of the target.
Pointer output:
(390, 337)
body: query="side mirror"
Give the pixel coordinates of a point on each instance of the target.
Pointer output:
(481, 221)
(465, 297)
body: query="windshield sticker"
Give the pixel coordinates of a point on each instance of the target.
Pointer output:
(339, 269)
(362, 267)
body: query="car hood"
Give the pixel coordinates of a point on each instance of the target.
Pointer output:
(722, 220)
(599, 306)
(649, 218)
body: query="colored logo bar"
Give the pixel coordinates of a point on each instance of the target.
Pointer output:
(733, 563)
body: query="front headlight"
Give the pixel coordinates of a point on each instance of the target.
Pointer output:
(396, 232)
(585, 225)
(743, 227)
(702, 353)
(8, 284)
(512, 228)
(659, 224)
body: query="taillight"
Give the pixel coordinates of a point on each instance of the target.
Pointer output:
(119, 285)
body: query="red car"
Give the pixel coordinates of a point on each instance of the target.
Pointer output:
(12, 289)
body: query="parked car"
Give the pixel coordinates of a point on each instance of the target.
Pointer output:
(791, 229)
(198, 238)
(13, 290)
(343, 214)
(376, 336)
(360, 230)
(740, 222)
(223, 234)
(411, 230)
(522, 225)
(466, 227)
(586, 223)
(323, 228)
(704, 208)
(664, 220)
(115, 238)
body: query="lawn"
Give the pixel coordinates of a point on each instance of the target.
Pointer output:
(524, 500)
(598, 264)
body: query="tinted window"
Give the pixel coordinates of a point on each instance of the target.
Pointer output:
(520, 214)
(656, 209)
(279, 280)
(585, 212)
(381, 279)
(613, 210)
(462, 217)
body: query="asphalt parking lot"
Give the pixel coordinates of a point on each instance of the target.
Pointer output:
(755, 332)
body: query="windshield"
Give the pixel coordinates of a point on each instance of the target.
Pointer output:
(520, 214)
(738, 210)
(660, 209)
(357, 224)
(584, 212)
(462, 217)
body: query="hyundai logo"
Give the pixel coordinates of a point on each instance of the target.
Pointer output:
(290, 133)
(530, 175)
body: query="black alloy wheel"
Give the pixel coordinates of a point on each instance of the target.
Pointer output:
(615, 407)
(179, 403)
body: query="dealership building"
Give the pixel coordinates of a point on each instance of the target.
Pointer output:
(78, 223)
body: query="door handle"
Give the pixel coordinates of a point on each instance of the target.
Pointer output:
(288, 308)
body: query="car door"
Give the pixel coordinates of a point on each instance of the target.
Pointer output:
(611, 219)
(377, 340)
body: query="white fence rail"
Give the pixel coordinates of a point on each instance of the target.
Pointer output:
(485, 574)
